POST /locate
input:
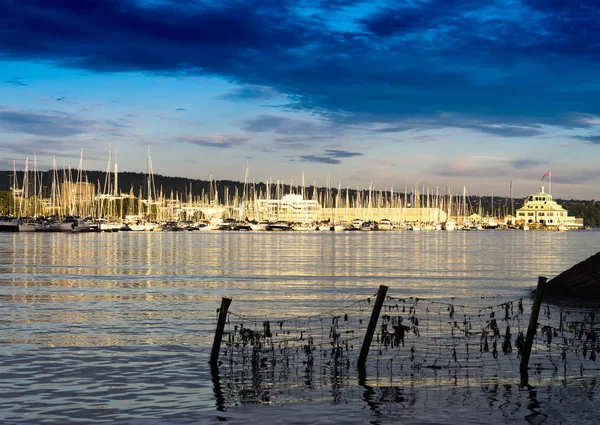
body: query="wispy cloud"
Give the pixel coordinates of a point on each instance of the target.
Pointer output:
(49, 124)
(593, 140)
(485, 167)
(341, 154)
(15, 82)
(215, 141)
(249, 91)
(47, 147)
(282, 125)
(521, 164)
(316, 158)
(331, 156)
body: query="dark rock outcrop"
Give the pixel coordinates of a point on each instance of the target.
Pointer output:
(580, 281)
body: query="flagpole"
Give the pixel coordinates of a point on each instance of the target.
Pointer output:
(550, 182)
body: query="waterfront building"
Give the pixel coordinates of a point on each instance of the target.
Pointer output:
(394, 214)
(292, 208)
(77, 193)
(539, 209)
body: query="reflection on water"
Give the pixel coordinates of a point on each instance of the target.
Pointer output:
(118, 326)
(442, 399)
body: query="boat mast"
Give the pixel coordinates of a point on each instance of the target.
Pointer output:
(34, 185)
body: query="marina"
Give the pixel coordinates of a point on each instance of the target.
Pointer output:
(73, 204)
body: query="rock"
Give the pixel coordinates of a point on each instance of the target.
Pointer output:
(580, 281)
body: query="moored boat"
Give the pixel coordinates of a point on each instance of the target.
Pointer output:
(366, 226)
(141, 226)
(384, 225)
(28, 225)
(9, 224)
(279, 226)
(304, 227)
(74, 224)
(261, 226)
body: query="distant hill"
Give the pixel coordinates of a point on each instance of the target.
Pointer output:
(127, 181)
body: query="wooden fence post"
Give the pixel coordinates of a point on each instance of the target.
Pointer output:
(532, 329)
(214, 356)
(364, 351)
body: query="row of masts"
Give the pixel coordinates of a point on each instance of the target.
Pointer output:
(72, 194)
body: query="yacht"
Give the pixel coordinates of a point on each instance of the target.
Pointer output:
(450, 225)
(108, 226)
(384, 224)
(74, 224)
(141, 226)
(355, 225)
(28, 225)
(367, 226)
(9, 224)
(279, 226)
(205, 226)
(304, 227)
(260, 226)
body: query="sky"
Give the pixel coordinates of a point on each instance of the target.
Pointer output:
(435, 93)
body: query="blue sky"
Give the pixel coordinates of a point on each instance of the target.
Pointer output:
(446, 93)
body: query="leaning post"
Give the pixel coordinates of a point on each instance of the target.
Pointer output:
(532, 329)
(364, 351)
(214, 356)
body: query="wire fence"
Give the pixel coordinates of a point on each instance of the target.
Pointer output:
(417, 335)
(415, 338)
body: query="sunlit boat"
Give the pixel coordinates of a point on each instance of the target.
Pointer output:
(450, 225)
(384, 225)
(28, 225)
(304, 227)
(204, 226)
(104, 225)
(9, 224)
(74, 224)
(260, 226)
(367, 226)
(141, 226)
(279, 226)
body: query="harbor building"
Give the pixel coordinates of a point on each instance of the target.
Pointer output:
(292, 208)
(539, 209)
(77, 193)
(395, 214)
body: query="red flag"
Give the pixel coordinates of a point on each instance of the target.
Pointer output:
(547, 174)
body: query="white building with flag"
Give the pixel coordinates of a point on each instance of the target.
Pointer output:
(541, 210)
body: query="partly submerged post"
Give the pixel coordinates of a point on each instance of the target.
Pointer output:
(364, 351)
(532, 329)
(214, 356)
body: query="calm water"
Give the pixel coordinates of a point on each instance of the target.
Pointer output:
(118, 327)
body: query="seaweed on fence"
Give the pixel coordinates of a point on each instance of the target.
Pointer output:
(416, 334)
(566, 341)
(302, 351)
(263, 357)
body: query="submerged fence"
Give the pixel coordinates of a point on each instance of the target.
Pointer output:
(393, 339)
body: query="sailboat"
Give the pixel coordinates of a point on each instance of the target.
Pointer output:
(27, 223)
(137, 223)
(11, 223)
